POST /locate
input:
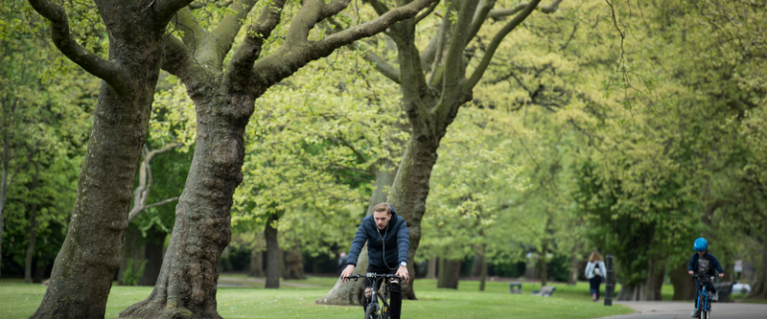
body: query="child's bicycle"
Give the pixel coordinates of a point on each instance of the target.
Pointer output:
(703, 300)
(374, 309)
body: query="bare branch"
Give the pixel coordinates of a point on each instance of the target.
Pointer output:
(374, 27)
(454, 63)
(378, 6)
(107, 71)
(380, 64)
(241, 66)
(426, 13)
(297, 51)
(500, 13)
(230, 25)
(479, 18)
(141, 193)
(493, 46)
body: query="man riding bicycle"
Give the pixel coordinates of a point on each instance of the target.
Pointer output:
(704, 263)
(388, 242)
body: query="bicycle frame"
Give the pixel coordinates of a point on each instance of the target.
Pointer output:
(703, 292)
(386, 281)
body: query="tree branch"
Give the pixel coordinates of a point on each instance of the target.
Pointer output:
(454, 64)
(141, 194)
(176, 58)
(380, 64)
(105, 70)
(167, 8)
(426, 13)
(493, 46)
(191, 31)
(500, 13)
(297, 52)
(230, 25)
(378, 6)
(479, 18)
(240, 69)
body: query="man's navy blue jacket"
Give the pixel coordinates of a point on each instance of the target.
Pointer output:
(396, 239)
(714, 264)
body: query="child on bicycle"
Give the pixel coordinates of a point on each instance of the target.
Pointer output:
(703, 263)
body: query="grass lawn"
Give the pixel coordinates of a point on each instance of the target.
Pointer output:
(251, 300)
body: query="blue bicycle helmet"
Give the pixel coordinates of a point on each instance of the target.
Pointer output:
(701, 244)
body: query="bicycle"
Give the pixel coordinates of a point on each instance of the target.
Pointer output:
(703, 297)
(374, 309)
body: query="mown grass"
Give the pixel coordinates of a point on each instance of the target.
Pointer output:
(19, 300)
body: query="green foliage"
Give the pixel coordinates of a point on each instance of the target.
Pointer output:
(133, 272)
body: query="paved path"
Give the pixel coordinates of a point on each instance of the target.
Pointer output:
(679, 310)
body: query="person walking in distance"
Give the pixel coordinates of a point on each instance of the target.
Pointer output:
(342, 257)
(595, 270)
(388, 241)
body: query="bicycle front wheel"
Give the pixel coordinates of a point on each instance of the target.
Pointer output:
(371, 312)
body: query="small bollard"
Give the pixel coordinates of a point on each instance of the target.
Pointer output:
(609, 278)
(515, 288)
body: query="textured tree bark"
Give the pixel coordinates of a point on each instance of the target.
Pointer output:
(186, 286)
(153, 256)
(483, 273)
(31, 243)
(450, 274)
(684, 289)
(225, 100)
(294, 264)
(572, 279)
(132, 250)
(256, 264)
(431, 271)
(83, 270)
(760, 288)
(42, 265)
(542, 270)
(272, 254)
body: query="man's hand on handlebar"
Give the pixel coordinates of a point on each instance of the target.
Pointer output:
(721, 275)
(690, 272)
(347, 272)
(402, 272)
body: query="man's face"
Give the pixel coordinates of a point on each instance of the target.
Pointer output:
(382, 219)
(701, 253)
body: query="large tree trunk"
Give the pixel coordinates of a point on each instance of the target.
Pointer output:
(684, 288)
(450, 271)
(256, 264)
(294, 264)
(657, 270)
(153, 256)
(483, 272)
(431, 271)
(760, 288)
(542, 270)
(650, 288)
(42, 265)
(573, 278)
(350, 293)
(186, 286)
(31, 243)
(132, 251)
(272, 253)
(90, 256)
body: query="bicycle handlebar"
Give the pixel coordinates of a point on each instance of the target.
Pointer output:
(373, 275)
